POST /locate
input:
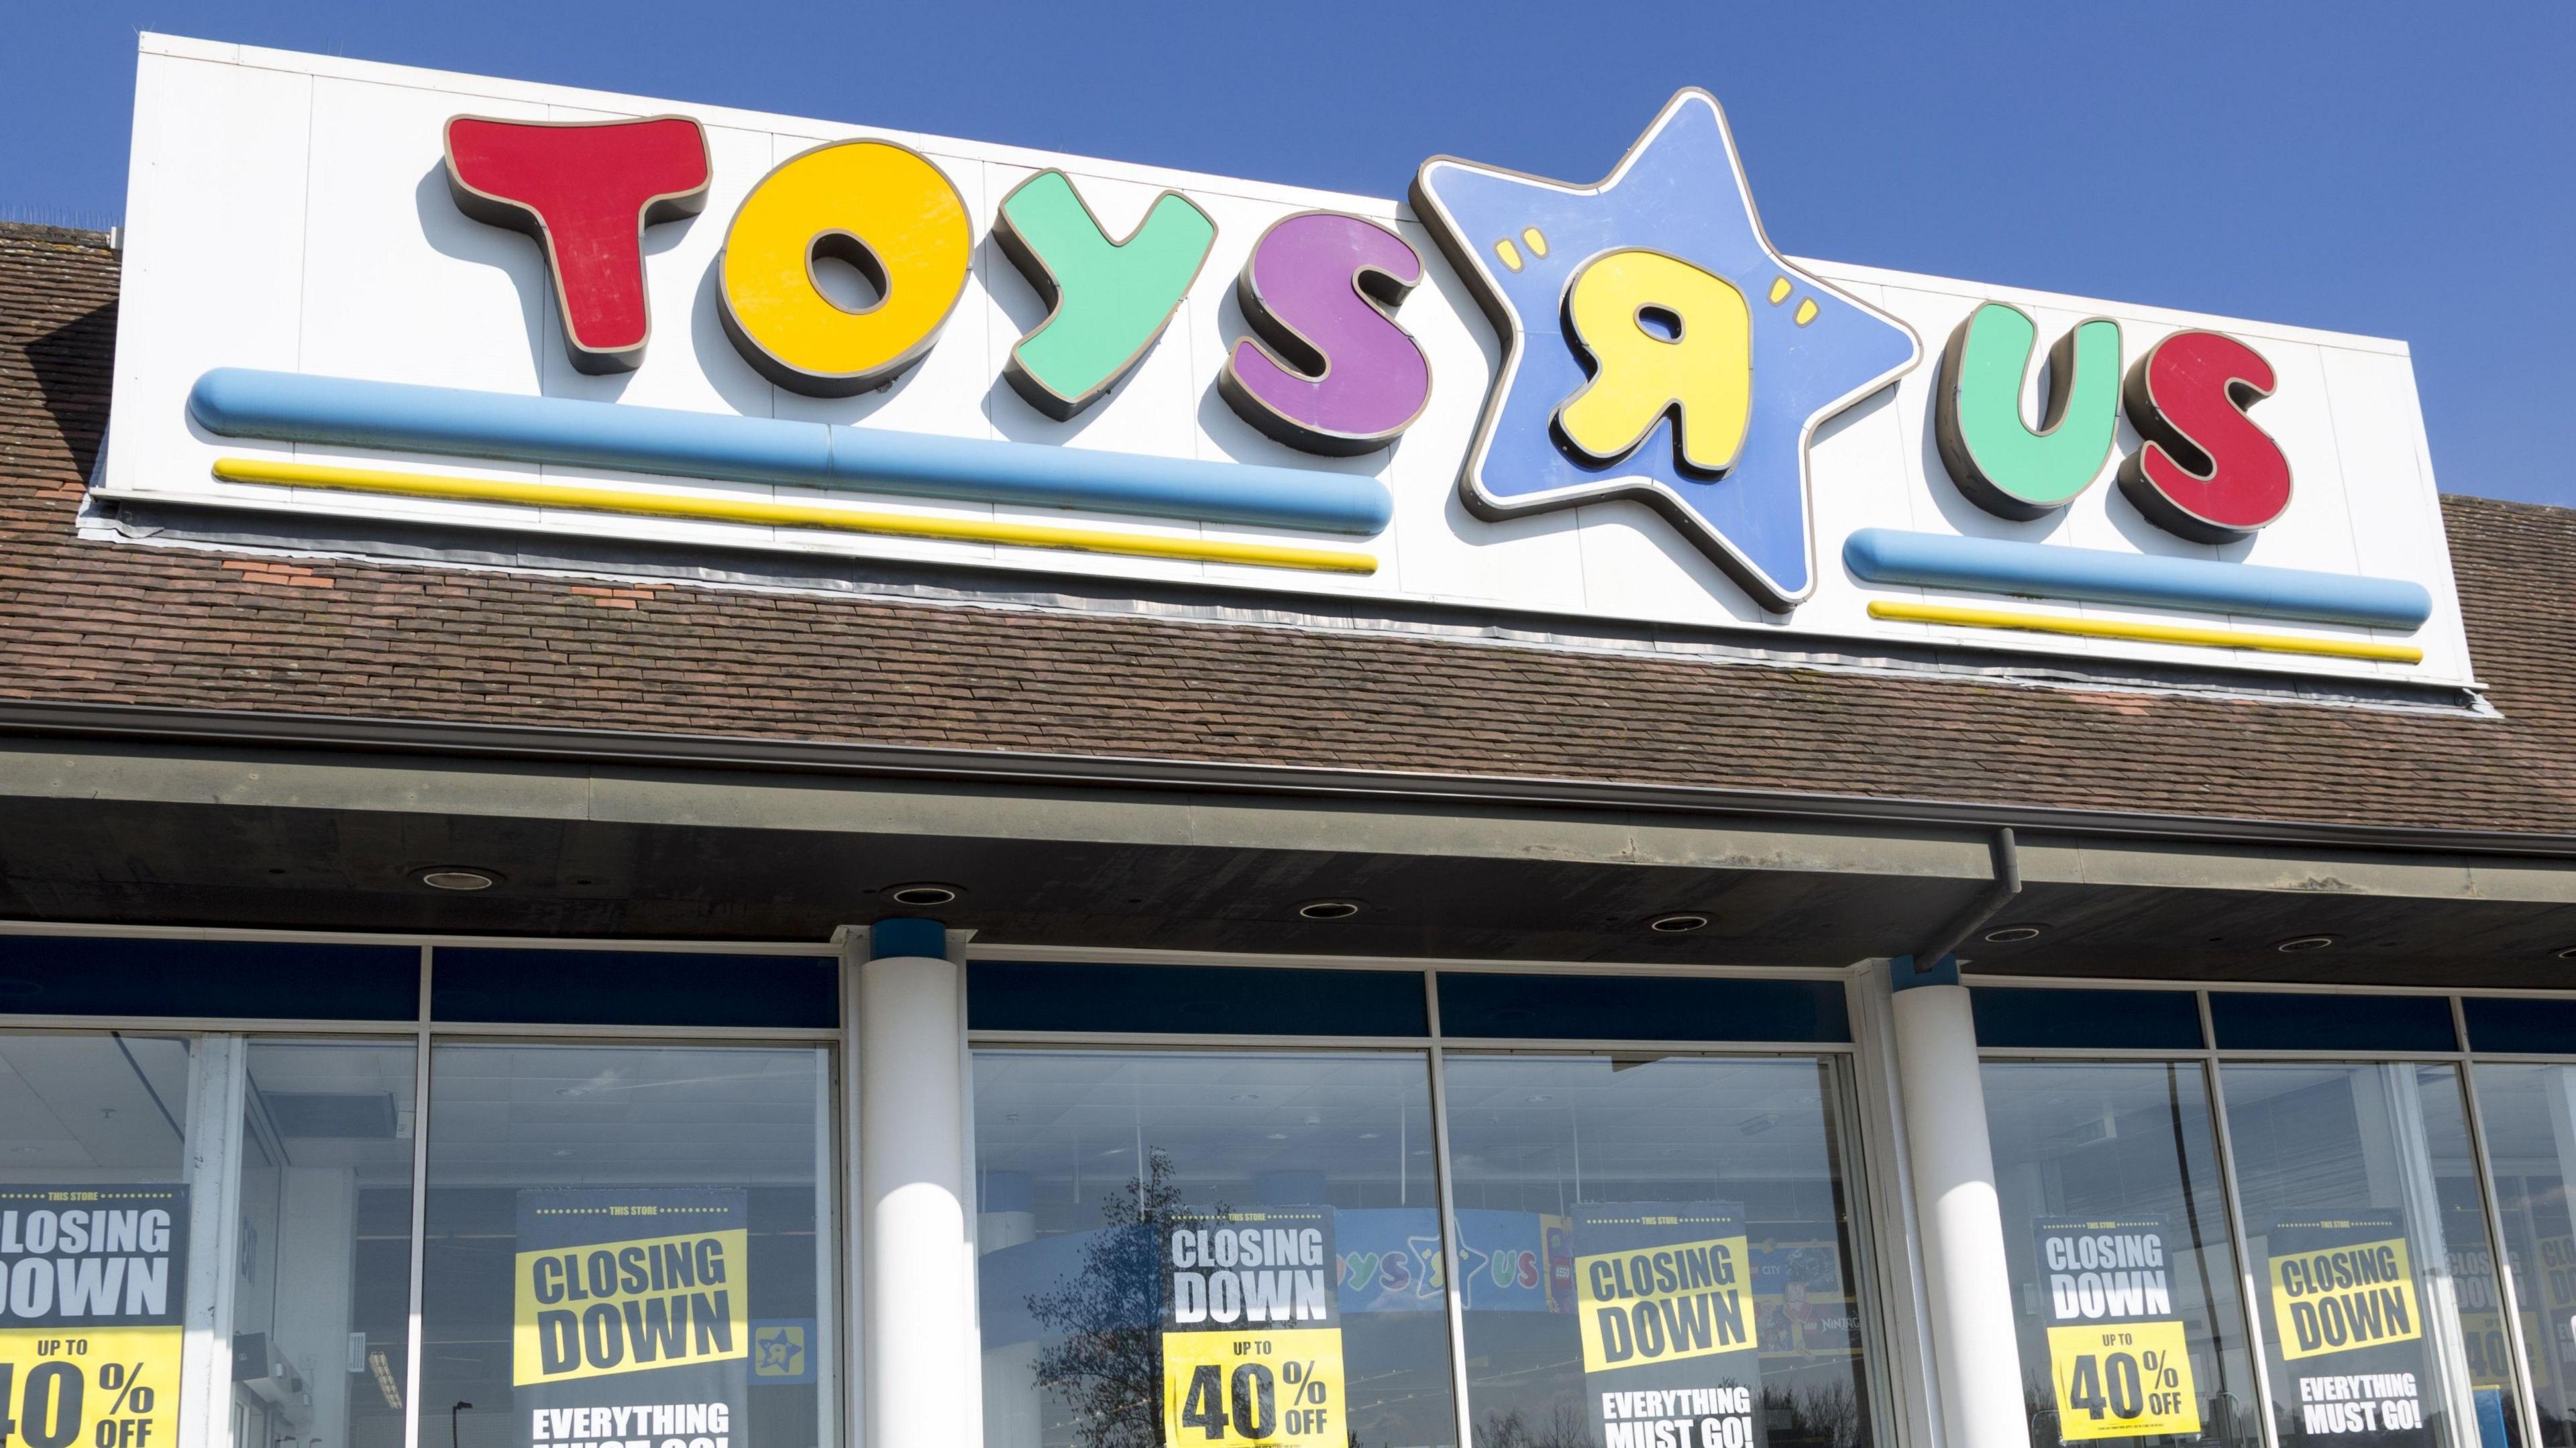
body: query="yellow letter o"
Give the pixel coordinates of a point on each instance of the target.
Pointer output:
(881, 206)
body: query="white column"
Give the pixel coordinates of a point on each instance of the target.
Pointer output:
(916, 1276)
(1961, 1219)
(215, 1102)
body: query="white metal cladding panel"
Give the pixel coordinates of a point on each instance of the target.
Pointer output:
(290, 213)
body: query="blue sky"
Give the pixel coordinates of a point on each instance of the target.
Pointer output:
(2401, 170)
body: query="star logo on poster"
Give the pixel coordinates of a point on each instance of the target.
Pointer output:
(778, 1352)
(1656, 347)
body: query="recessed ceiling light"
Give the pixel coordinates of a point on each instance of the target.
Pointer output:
(924, 893)
(1329, 909)
(450, 877)
(2008, 934)
(2297, 943)
(2568, 954)
(1681, 924)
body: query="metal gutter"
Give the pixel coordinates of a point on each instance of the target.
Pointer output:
(1931, 955)
(270, 729)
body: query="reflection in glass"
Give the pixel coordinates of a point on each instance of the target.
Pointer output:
(2369, 1237)
(669, 1129)
(1536, 1141)
(2529, 1112)
(92, 1110)
(324, 1245)
(95, 1209)
(2128, 1146)
(1081, 1156)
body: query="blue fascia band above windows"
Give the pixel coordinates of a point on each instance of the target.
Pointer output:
(2527, 1025)
(1641, 1008)
(2112, 1020)
(1200, 1000)
(74, 975)
(2286, 1021)
(633, 988)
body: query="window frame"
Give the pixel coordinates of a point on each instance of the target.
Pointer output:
(1861, 1159)
(206, 1414)
(1885, 1242)
(2464, 1057)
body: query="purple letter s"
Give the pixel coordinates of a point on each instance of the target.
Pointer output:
(1338, 375)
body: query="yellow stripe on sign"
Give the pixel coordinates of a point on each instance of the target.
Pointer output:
(784, 515)
(2154, 633)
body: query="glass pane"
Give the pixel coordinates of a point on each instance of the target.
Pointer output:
(1693, 1231)
(322, 1307)
(2370, 1244)
(2530, 1118)
(2115, 1228)
(628, 1242)
(1127, 1205)
(94, 1238)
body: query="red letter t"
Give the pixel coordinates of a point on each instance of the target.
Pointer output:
(585, 191)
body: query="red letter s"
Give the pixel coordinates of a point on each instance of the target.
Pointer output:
(2206, 472)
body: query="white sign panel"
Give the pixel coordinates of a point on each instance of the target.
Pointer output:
(376, 292)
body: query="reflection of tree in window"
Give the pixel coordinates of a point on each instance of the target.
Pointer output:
(1108, 1363)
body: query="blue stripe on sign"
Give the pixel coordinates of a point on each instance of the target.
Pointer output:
(396, 416)
(2048, 570)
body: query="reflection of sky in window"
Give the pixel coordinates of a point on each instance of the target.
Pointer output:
(2101, 1134)
(1074, 1122)
(104, 1106)
(2524, 1126)
(1541, 1133)
(2529, 1115)
(573, 1115)
(2318, 1136)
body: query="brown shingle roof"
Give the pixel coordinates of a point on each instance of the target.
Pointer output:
(98, 623)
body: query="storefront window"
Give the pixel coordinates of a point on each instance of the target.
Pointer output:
(322, 1300)
(2370, 1246)
(1652, 1243)
(2529, 1112)
(628, 1242)
(2124, 1277)
(94, 1237)
(1219, 1249)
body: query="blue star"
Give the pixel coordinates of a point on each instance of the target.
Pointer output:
(1815, 350)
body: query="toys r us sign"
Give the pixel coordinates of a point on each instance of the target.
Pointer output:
(586, 318)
